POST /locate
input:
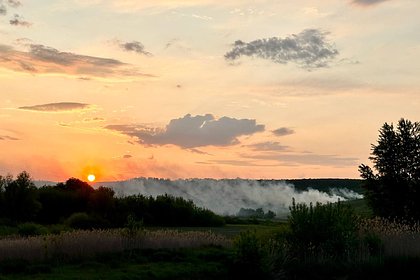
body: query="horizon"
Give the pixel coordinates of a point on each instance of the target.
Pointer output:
(96, 183)
(118, 89)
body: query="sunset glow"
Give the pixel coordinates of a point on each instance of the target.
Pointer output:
(202, 89)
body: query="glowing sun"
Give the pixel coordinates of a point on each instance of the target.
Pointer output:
(91, 177)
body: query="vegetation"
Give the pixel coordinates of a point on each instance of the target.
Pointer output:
(256, 213)
(394, 191)
(79, 206)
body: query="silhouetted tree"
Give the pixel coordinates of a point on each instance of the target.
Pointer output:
(395, 189)
(20, 198)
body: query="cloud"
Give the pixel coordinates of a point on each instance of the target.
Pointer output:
(283, 131)
(306, 159)
(127, 156)
(134, 46)
(234, 162)
(14, 3)
(95, 119)
(193, 131)
(19, 21)
(3, 10)
(10, 3)
(368, 2)
(6, 137)
(268, 146)
(308, 49)
(43, 59)
(56, 107)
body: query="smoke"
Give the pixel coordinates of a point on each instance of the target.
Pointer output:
(228, 196)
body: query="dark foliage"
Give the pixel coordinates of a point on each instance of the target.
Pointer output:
(256, 213)
(322, 231)
(78, 205)
(394, 191)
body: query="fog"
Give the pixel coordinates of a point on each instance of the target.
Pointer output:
(227, 196)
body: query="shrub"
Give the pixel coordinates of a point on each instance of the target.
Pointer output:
(324, 230)
(31, 229)
(249, 254)
(80, 220)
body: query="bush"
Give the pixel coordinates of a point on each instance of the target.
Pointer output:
(322, 231)
(249, 254)
(31, 229)
(80, 220)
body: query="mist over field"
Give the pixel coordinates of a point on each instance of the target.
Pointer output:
(228, 196)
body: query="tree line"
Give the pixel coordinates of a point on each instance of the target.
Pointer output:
(78, 203)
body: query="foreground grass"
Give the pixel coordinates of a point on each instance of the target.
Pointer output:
(201, 263)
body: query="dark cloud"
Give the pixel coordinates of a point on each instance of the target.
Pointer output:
(268, 146)
(283, 131)
(368, 2)
(134, 46)
(44, 59)
(51, 55)
(193, 131)
(6, 137)
(56, 107)
(127, 156)
(19, 21)
(308, 49)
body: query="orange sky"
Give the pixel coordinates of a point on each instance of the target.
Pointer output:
(194, 89)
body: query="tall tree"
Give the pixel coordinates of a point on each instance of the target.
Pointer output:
(395, 189)
(20, 198)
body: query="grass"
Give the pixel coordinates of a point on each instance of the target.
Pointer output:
(231, 231)
(81, 244)
(202, 263)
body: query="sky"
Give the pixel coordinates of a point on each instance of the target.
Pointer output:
(202, 88)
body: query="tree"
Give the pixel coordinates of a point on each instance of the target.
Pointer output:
(20, 198)
(394, 191)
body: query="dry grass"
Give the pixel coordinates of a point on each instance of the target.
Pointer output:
(400, 238)
(79, 244)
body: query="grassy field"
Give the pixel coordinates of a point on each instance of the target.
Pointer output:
(202, 263)
(230, 231)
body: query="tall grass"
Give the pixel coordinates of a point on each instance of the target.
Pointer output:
(81, 244)
(399, 238)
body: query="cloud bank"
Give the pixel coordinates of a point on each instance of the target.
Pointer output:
(193, 131)
(56, 107)
(308, 49)
(43, 59)
(228, 196)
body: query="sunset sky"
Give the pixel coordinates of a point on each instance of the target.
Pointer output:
(202, 88)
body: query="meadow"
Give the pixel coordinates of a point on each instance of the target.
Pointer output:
(375, 248)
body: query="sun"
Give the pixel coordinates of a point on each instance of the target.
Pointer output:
(91, 177)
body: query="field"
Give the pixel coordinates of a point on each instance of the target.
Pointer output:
(255, 249)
